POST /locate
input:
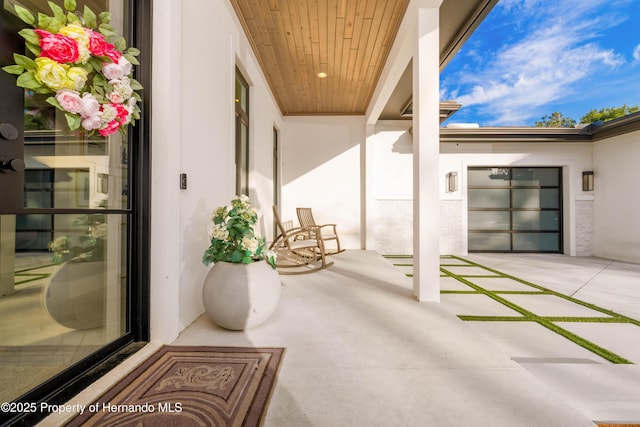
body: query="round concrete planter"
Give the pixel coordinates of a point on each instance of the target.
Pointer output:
(75, 295)
(241, 296)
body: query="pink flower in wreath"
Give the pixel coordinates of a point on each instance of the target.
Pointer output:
(69, 100)
(90, 106)
(58, 47)
(91, 112)
(115, 98)
(110, 128)
(92, 122)
(121, 112)
(98, 46)
(115, 116)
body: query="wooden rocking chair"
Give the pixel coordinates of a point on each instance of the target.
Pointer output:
(296, 252)
(327, 231)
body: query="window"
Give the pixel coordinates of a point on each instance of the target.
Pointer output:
(242, 134)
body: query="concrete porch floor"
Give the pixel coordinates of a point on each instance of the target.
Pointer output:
(360, 351)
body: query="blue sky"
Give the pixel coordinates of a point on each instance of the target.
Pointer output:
(529, 58)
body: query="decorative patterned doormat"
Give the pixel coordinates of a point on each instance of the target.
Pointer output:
(190, 386)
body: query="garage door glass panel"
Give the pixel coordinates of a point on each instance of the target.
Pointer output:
(498, 242)
(489, 220)
(489, 198)
(536, 220)
(535, 242)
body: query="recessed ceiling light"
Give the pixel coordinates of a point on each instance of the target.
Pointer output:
(322, 74)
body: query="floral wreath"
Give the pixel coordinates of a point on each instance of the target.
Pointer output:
(89, 76)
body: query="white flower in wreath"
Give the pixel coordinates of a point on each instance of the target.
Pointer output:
(122, 87)
(112, 70)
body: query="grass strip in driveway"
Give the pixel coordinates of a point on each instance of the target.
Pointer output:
(528, 316)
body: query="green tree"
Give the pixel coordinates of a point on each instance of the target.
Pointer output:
(556, 119)
(606, 114)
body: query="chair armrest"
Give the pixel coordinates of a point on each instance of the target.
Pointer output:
(301, 231)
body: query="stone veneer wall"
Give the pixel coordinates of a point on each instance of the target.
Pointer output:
(451, 233)
(584, 227)
(394, 227)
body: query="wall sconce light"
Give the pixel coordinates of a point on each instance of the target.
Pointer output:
(452, 182)
(587, 181)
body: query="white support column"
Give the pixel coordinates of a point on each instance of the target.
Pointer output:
(369, 167)
(426, 151)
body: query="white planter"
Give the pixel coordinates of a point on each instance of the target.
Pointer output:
(75, 294)
(241, 296)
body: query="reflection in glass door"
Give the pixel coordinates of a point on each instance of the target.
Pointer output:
(515, 209)
(64, 225)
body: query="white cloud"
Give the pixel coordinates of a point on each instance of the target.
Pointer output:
(543, 67)
(636, 53)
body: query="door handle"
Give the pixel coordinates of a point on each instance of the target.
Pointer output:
(8, 131)
(15, 165)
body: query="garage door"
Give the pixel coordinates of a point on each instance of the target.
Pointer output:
(515, 209)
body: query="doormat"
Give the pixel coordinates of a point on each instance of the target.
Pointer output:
(190, 386)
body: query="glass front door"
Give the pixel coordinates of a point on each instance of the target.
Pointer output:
(65, 227)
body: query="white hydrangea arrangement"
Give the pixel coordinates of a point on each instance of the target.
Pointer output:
(233, 236)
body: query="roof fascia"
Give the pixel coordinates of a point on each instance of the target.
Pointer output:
(514, 134)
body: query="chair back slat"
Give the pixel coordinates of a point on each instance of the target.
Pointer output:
(305, 217)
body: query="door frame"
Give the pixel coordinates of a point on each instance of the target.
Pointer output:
(77, 377)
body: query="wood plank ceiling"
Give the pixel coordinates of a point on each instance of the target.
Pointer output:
(295, 40)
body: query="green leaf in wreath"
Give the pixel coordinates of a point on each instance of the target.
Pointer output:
(96, 64)
(120, 43)
(133, 51)
(56, 24)
(105, 17)
(25, 15)
(53, 101)
(90, 18)
(99, 80)
(28, 81)
(107, 30)
(70, 5)
(72, 18)
(131, 59)
(58, 12)
(14, 69)
(34, 48)
(73, 120)
(44, 21)
(87, 67)
(29, 35)
(135, 85)
(24, 61)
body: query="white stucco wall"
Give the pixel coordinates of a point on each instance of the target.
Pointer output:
(322, 159)
(193, 133)
(617, 199)
(391, 190)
